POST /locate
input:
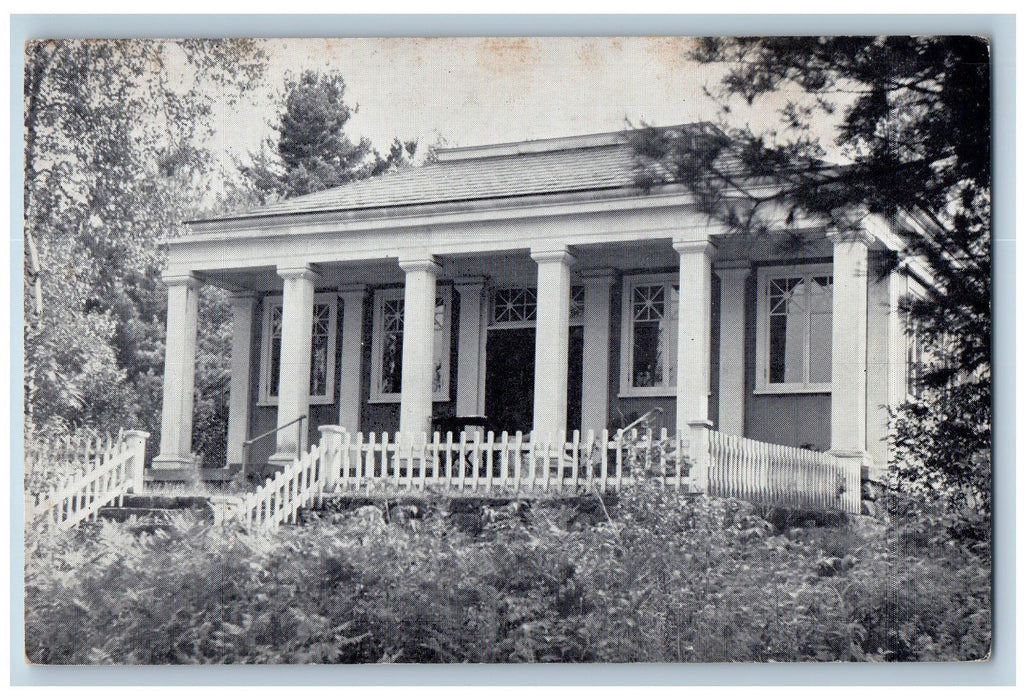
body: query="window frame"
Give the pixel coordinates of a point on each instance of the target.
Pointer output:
(576, 319)
(627, 388)
(383, 294)
(762, 347)
(272, 301)
(913, 388)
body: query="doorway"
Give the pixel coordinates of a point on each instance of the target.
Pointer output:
(509, 379)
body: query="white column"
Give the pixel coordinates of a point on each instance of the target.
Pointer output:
(418, 345)
(179, 373)
(469, 378)
(695, 323)
(552, 342)
(732, 347)
(848, 374)
(238, 395)
(595, 376)
(351, 374)
(294, 382)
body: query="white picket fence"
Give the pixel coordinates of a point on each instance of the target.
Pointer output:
(701, 460)
(776, 475)
(477, 464)
(85, 474)
(505, 464)
(279, 499)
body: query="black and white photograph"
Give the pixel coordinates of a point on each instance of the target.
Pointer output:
(507, 350)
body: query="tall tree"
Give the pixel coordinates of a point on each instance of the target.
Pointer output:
(311, 151)
(115, 157)
(913, 134)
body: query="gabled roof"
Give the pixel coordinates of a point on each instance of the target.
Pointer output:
(529, 168)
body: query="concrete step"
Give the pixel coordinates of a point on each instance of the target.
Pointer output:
(159, 509)
(164, 501)
(157, 515)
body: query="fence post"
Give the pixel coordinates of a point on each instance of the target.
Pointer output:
(331, 440)
(698, 452)
(135, 444)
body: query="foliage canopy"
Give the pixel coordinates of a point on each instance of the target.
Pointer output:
(912, 143)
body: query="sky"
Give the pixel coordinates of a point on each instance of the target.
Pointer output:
(467, 91)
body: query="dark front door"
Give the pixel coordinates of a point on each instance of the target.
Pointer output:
(509, 379)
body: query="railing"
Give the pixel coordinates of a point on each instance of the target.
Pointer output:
(281, 496)
(786, 477)
(506, 463)
(699, 460)
(107, 470)
(298, 422)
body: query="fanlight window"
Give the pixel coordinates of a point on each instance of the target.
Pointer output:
(518, 307)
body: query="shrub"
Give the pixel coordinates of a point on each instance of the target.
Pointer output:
(657, 576)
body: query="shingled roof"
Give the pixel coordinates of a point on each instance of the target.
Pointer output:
(573, 164)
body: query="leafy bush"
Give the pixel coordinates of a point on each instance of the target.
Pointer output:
(655, 576)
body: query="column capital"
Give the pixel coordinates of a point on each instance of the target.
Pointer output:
(690, 246)
(181, 279)
(599, 275)
(738, 269)
(243, 295)
(552, 254)
(352, 290)
(470, 283)
(855, 236)
(297, 272)
(420, 263)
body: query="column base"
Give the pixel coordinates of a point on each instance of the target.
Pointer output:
(175, 468)
(869, 470)
(282, 459)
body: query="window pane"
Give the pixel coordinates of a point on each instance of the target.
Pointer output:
(577, 304)
(646, 370)
(821, 330)
(654, 309)
(787, 330)
(648, 302)
(441, 350)
(275, 369)
(319, 350)
(391, 346)
(820, 347)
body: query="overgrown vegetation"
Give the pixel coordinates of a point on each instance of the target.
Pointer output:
(651, 576)
(119, 152)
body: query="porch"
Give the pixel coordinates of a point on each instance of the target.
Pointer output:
(395, 305)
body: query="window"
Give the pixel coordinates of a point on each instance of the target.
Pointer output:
(915, 361)
(517, 307)
(648, 364)
(322, 350)
(387, 345)
(795, 329)
(577, 305)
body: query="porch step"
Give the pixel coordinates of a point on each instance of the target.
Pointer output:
(178, 476)
(152, 511)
